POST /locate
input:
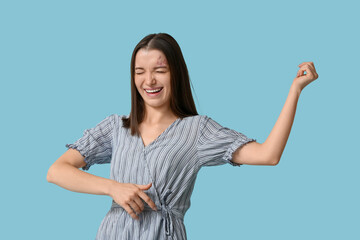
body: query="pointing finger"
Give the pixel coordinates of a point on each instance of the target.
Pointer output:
(148, 200)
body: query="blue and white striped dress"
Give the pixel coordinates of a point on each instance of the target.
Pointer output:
(171, 163)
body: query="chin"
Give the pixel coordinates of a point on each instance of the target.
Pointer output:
(154, 104)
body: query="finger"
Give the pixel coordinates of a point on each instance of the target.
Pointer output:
(311, 67)
(134, 206)
(144, 187)
(139, 203)
(301, 71)
(304, 68)
(305, 71)
(303, 63)
(148, 200)
(130, 211)
(310, 64)
(310, 72)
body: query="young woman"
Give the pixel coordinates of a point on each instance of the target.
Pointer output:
(157, 150)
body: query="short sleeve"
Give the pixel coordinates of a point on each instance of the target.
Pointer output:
(216, 143)
(96, 143)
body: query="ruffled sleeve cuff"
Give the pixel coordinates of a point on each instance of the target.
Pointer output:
(238, 143)
(83, 153)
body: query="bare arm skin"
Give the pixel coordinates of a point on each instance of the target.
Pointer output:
(65, 173)
(269, 152)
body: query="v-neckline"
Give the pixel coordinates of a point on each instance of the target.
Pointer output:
(156, 139)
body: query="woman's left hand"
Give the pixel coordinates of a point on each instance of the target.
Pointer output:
(303, 79)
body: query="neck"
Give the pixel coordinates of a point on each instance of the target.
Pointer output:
(155, 116)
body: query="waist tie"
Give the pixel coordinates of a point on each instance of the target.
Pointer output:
(167, 214)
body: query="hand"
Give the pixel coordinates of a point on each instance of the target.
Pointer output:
(129, 196)
(303, 79)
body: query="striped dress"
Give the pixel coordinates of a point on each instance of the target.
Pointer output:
(171, 163)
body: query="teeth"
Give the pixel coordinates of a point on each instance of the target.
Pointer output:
(153, 91)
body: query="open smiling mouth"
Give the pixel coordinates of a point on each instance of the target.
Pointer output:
(153, 92)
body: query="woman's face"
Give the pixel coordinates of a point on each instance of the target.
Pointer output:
(152, 78)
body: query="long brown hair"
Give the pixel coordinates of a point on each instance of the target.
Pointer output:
(181, 99)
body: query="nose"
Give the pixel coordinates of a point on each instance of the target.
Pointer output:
(150, 78)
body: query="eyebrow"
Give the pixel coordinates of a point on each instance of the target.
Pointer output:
(154, 67)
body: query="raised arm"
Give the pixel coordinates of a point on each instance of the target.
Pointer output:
(269, 152)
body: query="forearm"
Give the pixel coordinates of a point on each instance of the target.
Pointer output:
(276, 141)
(76, 180)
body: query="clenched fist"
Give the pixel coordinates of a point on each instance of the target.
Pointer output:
(302, 79)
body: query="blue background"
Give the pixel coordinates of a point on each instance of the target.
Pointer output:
(64, 67)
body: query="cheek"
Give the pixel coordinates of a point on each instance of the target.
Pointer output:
(166, 79)
(168, 86)
(136, 81)
(137, 85)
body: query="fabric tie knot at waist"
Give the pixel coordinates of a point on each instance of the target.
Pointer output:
(168, 215)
